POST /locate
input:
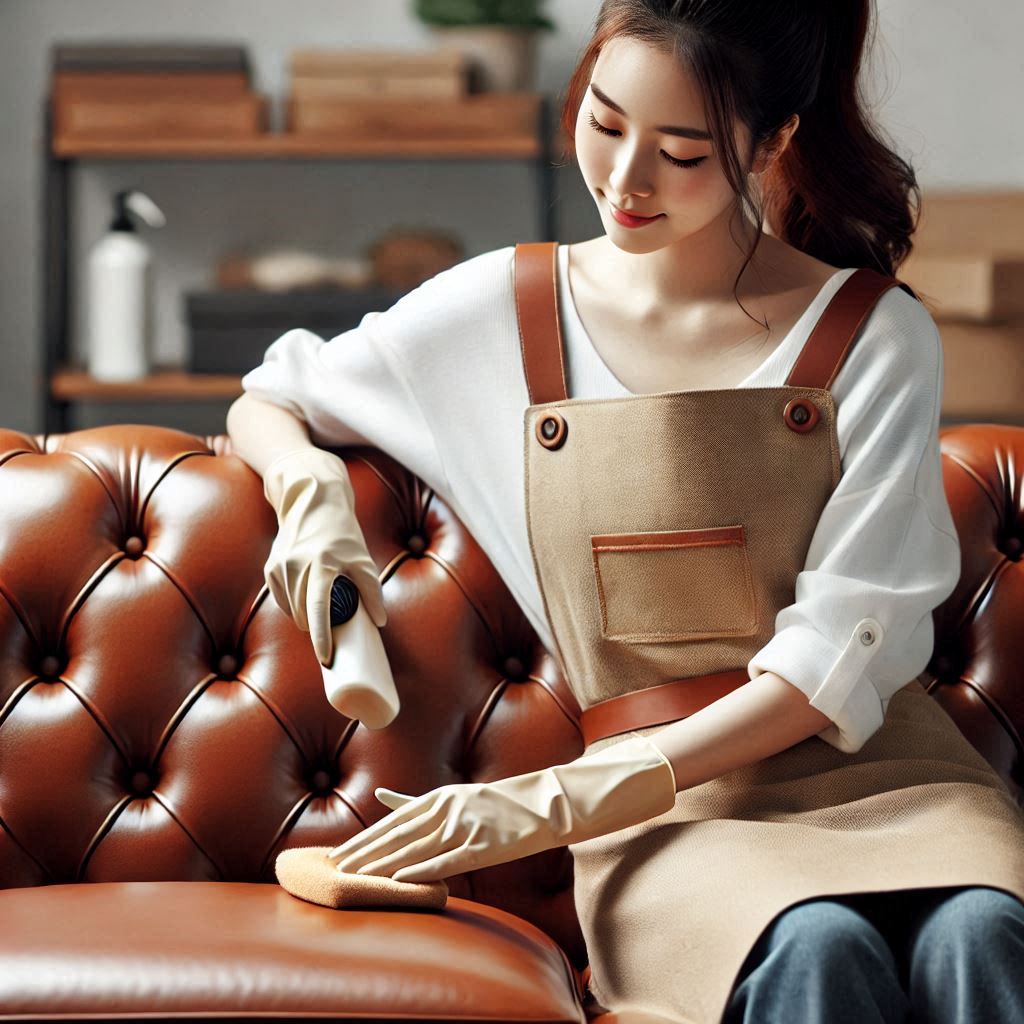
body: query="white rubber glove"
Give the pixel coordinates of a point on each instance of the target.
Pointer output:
(467, 826)
(318, 539)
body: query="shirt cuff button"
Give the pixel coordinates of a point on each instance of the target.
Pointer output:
(868, 631)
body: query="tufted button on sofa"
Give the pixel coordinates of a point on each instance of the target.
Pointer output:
(164, 734)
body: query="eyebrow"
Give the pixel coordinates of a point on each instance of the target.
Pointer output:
(686, 133)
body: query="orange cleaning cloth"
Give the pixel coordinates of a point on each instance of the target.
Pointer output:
(308, 873)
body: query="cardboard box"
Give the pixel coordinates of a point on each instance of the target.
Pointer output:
(983, 377)
(971, 222)
(967, 286)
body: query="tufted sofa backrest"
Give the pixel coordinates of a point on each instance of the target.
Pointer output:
(975, 669)
(162, 719)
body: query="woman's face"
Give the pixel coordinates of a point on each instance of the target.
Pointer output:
(625, 159)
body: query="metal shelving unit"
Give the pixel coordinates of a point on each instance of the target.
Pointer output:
(66, 384)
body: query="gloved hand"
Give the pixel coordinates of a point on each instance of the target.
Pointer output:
(467, 826)
(318, 539)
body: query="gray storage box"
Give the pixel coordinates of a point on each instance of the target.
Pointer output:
(229, 331)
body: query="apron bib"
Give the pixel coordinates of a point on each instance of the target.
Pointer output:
(667, 531)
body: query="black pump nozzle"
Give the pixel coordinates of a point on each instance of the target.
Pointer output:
(121, 221)
(132, 201)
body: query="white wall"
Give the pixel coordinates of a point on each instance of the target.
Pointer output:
(944, 83)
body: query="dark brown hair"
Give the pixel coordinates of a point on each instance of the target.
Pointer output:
(838, 191)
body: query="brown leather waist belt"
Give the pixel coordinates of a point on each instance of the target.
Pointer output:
(667, 702)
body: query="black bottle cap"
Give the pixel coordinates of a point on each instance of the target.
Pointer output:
(344, 600)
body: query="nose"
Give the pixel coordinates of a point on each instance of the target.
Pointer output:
(629, 174)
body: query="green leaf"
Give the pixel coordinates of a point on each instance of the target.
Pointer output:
(515, 13)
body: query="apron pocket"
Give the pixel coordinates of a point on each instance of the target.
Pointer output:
(674, 585)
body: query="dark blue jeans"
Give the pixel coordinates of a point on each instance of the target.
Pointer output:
(926, 956)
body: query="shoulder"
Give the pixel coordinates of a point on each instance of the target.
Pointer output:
(897, 351)
(454, 322)
(461, 294)
(888, 392)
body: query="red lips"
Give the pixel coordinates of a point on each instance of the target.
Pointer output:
(629, 220)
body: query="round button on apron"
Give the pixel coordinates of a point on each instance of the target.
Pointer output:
(801, 415)
(551, 430)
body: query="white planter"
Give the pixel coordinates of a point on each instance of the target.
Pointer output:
(504, 58)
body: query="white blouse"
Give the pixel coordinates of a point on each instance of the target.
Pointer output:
(436, 381)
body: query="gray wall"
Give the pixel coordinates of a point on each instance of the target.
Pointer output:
(942, 81)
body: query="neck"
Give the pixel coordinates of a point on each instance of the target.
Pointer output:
(701, 268)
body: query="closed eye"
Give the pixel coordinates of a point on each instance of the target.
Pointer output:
(671, 159)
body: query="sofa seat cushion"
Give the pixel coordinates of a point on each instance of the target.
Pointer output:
(127, 949)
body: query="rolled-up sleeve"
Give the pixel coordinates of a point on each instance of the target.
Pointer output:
(353, 390)
(885, 552)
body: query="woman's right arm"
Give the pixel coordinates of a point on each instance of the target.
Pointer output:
(261, 431)
(319, 536)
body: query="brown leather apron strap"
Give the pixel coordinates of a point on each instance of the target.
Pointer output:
(656, 705)
(830, 342)
(820, 360)
(540, 335)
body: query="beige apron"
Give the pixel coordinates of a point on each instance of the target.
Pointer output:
(667, 530)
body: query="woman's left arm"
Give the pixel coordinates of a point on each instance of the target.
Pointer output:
(761, 718)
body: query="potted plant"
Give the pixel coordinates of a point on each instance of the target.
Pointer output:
(499, 37)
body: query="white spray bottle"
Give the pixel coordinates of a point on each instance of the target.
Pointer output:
(358, 680)
(120, 293)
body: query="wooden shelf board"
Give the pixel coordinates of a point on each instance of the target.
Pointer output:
(164, 383)
(283, 145)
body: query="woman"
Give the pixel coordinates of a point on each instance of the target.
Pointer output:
(747, 524)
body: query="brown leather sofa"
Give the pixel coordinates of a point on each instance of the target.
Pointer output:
(164, 734)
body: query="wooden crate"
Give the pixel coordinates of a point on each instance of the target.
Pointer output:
(179, 117)
(337, 63)
(72, 86)
(482, 116)
(408, 87)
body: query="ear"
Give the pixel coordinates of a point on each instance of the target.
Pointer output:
(769, 152)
